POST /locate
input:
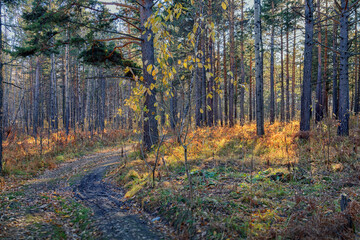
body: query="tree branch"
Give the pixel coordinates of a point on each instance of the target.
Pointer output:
(121, 5)
(12, 84)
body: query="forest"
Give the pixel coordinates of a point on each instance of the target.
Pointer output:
(179, 119)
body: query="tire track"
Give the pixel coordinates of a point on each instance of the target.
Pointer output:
(106, 201)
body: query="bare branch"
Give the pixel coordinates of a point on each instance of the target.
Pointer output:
(120, 5)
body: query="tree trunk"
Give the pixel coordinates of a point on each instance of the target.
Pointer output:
(225, 82)
(198, 107)
(325, 105)
(293, 76)
(67, 86)
(250, 91)
(306, 89)
(357, 72)
(272, 70)
(216, 84)
(173, 107)
(210, 119)
(343, 128)
(335, 72)
(150, 124)
(89, 96)
(102, 106)
(259, 70)
(287, 106)
(36, 109)
(53, 95)
(282, 100)
(242, 67)
(203, 79)
(232, 63)
(319, 99)
(1, 93)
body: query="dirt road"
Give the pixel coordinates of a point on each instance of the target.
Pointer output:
(73, 202)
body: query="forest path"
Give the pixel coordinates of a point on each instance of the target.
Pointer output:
(33, 210)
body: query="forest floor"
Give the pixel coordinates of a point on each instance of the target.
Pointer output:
(74, 201)
(243, 187)
(246, 187)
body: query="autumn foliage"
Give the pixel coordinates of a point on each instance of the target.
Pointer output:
(248, 186)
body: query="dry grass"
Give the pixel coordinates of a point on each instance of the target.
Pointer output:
(23, 156)
(249, 186)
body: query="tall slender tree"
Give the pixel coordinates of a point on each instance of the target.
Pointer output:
(272, 66)
(344, 114)
(335, 75)
(259, 70)
(319, 92)
(306, 87)
(232, 62)
(226, 106)
(242, 67)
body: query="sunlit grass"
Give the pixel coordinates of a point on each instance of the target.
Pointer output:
(23, 155)
(245, 185)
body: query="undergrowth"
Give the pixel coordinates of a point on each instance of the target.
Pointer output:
(24, 156)
(270, 187)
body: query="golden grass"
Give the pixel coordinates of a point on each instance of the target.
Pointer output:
(23, 155)
(244, 185)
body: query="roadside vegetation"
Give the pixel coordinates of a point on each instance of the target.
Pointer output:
(26, 157)
(248, 186)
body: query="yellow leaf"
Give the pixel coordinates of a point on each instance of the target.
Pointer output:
(149, 68)
(223, 5)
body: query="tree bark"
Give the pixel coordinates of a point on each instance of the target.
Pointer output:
(335, 71)
(319, 97)
(242, 67)
(198, 89)
(67, 86)
(53, 95)
(272, 71)
(102, 106)
(232, 63)
(225, 81)
(36, 109)
(325, 105)
(282, 100)
(357, 67)
(1, 92)
(216, 84)
(287, 105)
(343, 129)
(173, 107)
(259, 70)
(293, 80)
(150, 124)
(203, 80)
(210, 112)
(306, 88)
(250, 91)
